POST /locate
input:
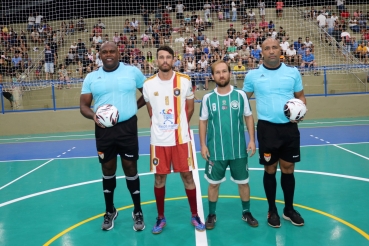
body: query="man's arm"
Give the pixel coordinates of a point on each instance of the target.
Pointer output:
(202, 134)
(190, 108)
(149, 109)
(249, 94)
(300, 95)
(251, 130)
(141, 101)
(85, 108)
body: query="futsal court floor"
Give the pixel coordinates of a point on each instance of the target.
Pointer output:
(51, 194)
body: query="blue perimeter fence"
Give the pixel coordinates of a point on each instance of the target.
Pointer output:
(196, 76)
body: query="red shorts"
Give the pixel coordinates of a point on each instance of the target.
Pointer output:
(163, 157)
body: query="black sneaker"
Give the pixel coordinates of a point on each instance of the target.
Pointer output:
(139, 223)
(210, 221)
(250, 219)
(294, 217)
(109, 218)
(273, 219)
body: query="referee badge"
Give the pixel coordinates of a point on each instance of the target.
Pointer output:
(267, 156)
(177, 92)
(155, 161)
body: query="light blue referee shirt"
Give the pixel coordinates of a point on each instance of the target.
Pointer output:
(272, 89)
(117, 88)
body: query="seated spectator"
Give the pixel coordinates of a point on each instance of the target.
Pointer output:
(227, 42)
(70, 58)
(255, 56)
(282, 58)
(365, 35)
(209, 21)
(63, 77)
(271, 25)
(70, 28)
(240, 41)
(132, 40)
(100, 24)
(239, 68)
(85, 65)
(190, 51)
(244, 55)
(232, 52)
(297, 44)
(193, 18)
(26, 62)
(97, 39)
(16, 62)
(263, 24)
(308, 61)
(81, 25)
(291, 54)
(145, 39)
(200, 77)
(135, 26)
(116, 38)
(214, 44)
(362, 52)
(345, 14)
(309, 44)
(190, 64)
(354, 25)
(155, 40)
(126, 26)
(284, 45)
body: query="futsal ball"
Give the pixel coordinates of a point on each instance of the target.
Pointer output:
(294, 109)
(107, 115)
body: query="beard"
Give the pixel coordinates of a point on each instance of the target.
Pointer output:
(224, 83)
(165, 69)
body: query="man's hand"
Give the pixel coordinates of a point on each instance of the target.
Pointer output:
(205, 152)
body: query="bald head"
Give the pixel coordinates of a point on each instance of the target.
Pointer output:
(271, 50)
(110, 44)
(109, 55)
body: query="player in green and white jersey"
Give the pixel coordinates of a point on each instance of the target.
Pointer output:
(222, 116)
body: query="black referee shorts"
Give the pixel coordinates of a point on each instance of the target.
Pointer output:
(278, 141)
(120, 139)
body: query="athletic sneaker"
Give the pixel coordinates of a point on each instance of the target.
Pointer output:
(273, 219)
(210, 221)
(139, 224)
(109, 218)
(196, 222)
(160, 224)
(293, 216)
(250, 219)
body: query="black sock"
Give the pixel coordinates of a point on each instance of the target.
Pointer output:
(109, 184)
(270, 187)
(133, 184)
(288, 187)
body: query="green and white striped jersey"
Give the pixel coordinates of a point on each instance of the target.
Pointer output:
(226, 127)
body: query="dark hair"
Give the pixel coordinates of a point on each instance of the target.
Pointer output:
(165, 48)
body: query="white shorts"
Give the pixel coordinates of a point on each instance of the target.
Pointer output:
(49, 67)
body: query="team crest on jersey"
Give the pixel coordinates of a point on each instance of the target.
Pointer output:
(235, 104)
(177, 92)
(155, 161)
(101, 154)
(267, 156)
(214, 106)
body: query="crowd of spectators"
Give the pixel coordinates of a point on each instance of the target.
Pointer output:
(238, 44)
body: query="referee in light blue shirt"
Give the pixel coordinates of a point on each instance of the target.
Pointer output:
(116, 83)
(273, 84)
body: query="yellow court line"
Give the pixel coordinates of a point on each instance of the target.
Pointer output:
(355, 228)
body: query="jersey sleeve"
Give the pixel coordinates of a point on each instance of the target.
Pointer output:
(298, 81)
(246, 108)
(204, 111)
(86, 86)
(248, 85)
(189, 92)
(145, 93)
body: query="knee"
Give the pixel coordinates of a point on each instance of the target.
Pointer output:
(214, 186)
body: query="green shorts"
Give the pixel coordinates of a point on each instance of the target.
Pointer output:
(215, 171)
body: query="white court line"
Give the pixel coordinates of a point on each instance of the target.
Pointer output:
(352, 152)
(86, 157)
(2, 187)
(144, 174)
(195, 129)
(201, 237)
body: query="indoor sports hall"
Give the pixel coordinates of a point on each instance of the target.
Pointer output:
(50, 178)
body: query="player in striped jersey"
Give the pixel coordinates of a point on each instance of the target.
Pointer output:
(222, 117)
(170, 103)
